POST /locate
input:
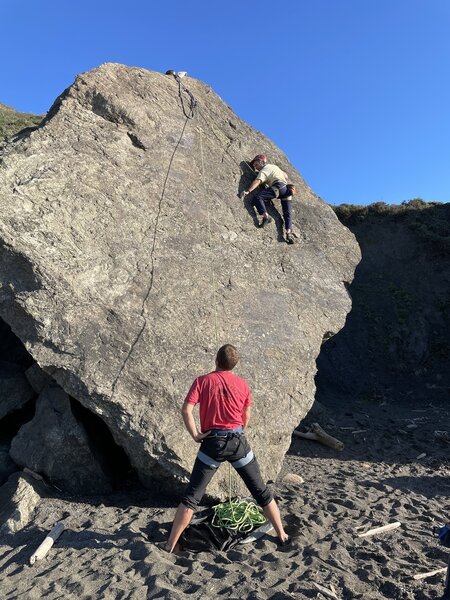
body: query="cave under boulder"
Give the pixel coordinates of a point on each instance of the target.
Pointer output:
(15, 390)
(55, 444)
(7, 466)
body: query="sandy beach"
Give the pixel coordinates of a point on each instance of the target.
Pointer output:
(109, 549)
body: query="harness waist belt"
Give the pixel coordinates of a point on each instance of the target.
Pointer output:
(225, 432)
(237, 464)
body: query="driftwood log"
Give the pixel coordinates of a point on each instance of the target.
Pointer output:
(47, 543)
(325, 592)
(381, 529)
(429, 574)
(317, 434)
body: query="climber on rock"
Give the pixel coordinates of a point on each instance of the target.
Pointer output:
(271, 182)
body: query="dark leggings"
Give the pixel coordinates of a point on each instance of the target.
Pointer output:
(262, 195)
(235, 449)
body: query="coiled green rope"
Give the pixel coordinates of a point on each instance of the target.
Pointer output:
(237, 515)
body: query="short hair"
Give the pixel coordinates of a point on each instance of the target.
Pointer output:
(227, 357)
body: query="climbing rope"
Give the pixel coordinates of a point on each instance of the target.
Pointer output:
(190, 112)
(237, 515)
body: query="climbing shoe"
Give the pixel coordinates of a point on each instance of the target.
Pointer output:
(265, 221)
(289, 238)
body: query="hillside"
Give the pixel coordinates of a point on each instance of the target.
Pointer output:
(12, 122)
(396, 338)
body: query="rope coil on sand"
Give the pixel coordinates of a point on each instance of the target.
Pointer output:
(237, 515)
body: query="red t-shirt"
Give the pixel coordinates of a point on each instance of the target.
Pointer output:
(222, 396)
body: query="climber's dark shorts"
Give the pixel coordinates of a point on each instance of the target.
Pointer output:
(216, 449)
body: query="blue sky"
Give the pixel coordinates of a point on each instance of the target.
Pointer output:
(355, 92)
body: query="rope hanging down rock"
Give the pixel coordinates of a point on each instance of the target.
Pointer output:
(234, 515)
(190, 112)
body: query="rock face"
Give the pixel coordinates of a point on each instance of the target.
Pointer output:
(54, 444)
(127, 258)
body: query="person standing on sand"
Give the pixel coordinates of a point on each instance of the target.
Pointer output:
(224, 400)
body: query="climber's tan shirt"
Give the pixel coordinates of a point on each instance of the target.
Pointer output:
(271, 173)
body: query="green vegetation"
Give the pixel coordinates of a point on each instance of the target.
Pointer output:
(428, 220)
(350, 214)
(11, 122)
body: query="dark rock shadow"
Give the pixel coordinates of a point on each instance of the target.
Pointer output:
(395, 341)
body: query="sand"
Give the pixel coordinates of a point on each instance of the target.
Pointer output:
(109, 547)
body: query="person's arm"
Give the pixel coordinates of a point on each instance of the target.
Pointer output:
(189, 422)
(254, 184)
(246, 415)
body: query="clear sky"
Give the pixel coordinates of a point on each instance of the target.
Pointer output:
(355, 92)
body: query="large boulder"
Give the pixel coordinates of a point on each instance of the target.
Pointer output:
(127, 258)
(55, 444)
